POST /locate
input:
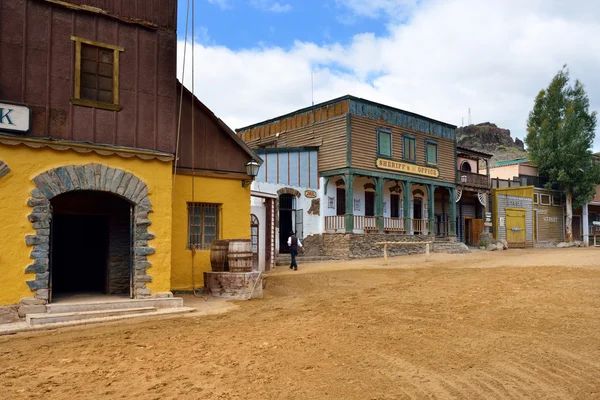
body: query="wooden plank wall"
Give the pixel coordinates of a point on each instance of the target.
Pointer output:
(520, 197)
(329, 135)
(364, 147)
(550, 219)
(37, 61)
(292, 122)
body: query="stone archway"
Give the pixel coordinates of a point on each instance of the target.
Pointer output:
(288, 190)
(91, 177)
(4, 170)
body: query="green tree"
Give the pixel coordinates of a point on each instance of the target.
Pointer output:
(560, 135)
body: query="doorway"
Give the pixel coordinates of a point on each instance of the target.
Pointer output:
(369, 204)
(286, 209)
(90, 245)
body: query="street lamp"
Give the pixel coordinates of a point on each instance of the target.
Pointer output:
(251, 170)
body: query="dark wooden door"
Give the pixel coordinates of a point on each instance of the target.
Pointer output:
(395, 205)
(341, 201)
(576, 227)
(369, 204)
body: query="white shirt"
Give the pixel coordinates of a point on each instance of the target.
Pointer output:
(290, 242)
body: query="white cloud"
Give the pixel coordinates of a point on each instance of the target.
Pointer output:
(392, 9)
(223, 4)
(271, 6)
(491, 56)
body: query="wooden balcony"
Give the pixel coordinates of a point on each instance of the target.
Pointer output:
(472, 179)
(420, 225)
(393, 224)
(335, 223)
(365, 223)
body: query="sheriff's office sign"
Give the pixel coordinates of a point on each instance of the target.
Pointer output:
(408, 168)
(15, 118)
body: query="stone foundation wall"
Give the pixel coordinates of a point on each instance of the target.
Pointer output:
(119, 255)
(355, 246)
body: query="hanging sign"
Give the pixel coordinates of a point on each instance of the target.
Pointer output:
(406, 167)
(310, 194)
(15, 118)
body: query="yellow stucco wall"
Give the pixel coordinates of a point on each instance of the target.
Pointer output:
(15, 188)
(234, 223)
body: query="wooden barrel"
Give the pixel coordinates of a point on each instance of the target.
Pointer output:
(240, 255)
(218, 255)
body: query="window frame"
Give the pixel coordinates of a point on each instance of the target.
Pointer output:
(560, 202)
(76, 99)
(541, 199)
(388, 132)
(434, 143)
(202, 245)
(406, 136)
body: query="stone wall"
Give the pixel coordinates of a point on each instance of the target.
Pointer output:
(119, 254)
(354, 246)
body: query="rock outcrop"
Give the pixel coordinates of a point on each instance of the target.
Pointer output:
(488, 138)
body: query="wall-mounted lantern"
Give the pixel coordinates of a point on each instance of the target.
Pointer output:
(251, 170)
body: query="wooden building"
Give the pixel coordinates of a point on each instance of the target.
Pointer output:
(381, 170)
(89, 104)
(474, 190)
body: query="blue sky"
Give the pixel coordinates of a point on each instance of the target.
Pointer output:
(254, 58)
(240, 24)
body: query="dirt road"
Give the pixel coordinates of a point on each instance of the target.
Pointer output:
(503, 325)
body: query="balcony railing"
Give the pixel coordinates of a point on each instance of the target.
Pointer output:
(393, 224)
(420, 225)
(473, 179)
(365, 223)
(337, 222)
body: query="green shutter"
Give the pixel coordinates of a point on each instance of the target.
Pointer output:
(431, 153)
(385, 144)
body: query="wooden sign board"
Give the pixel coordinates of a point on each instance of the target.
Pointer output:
(310, 194)
(408, 168)
(14, 117)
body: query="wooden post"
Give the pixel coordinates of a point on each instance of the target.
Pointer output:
(385, 254)
(427, 252)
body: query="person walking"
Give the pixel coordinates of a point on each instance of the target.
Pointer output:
(294, 243)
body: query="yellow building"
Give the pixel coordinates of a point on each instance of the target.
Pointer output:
(100, 191)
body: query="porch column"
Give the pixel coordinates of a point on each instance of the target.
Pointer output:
(349, 180)
(585, 223)
(379, 182)
(452, 202)
(406, 189)
(431, 208)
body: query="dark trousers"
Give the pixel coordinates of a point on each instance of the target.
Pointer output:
(294, 253)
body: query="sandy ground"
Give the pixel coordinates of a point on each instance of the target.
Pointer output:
(519, 324)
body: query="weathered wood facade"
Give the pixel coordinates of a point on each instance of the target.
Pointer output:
(37, 65)
(216, 148)
(387, 148)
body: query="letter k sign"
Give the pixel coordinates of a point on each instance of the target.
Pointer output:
(5, 116)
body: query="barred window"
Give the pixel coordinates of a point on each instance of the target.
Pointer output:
(203, 224)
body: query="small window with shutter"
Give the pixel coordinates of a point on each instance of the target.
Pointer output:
(384, 142)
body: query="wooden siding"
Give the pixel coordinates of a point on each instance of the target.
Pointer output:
(364, 147)
(161, 13)
(214, 149)
(329, 135)
(549, 220)
(37, 61)
(294, 121)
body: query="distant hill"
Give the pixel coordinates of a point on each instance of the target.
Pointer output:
(488, 138)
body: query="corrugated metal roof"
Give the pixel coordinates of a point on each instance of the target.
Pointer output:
(511, 162)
